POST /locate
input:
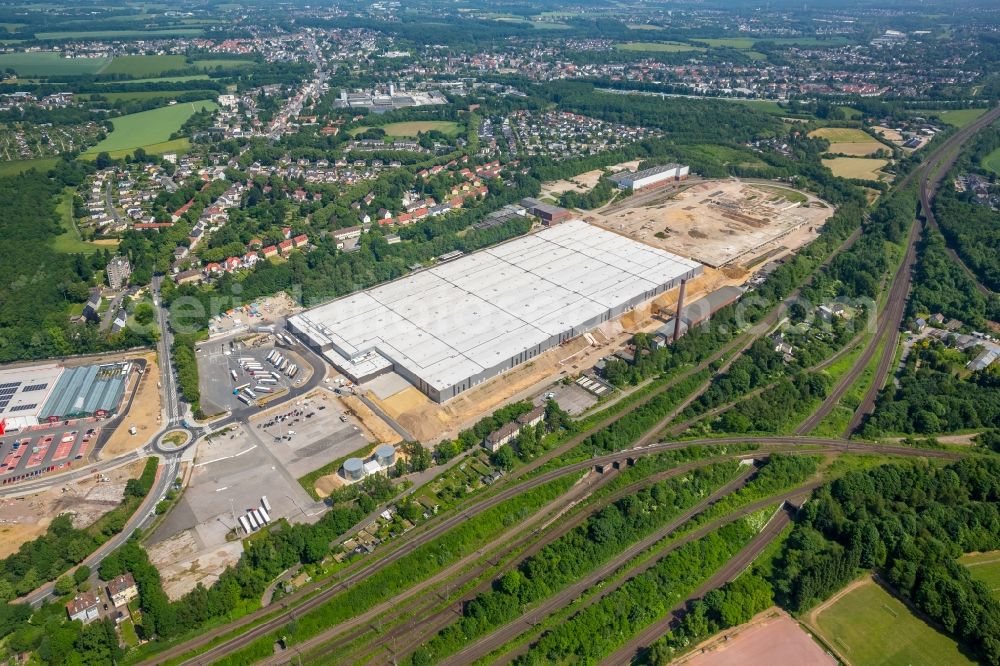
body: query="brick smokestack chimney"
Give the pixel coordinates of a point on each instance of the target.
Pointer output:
(680, 306)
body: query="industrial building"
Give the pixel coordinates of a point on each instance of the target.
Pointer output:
(547, 213)
(455, 325)
(646, 179)
(388, 98)
(35, 394)
(23, 392)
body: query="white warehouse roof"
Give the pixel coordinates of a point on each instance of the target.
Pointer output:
(461, 322)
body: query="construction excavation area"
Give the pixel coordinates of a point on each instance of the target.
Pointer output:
(720, 223)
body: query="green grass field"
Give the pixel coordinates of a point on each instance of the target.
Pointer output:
(49, 63)
(992, 162)
(870, 627)
(956, 117)
(179, 146)
(985, 567)
(15, 167)
(730, 42)
(222, 62)
(147, 94)
(658, 47)
(148, 129)
(121, 34)
(145, 65)
(69, 240)
(410, 129)
(157, 79)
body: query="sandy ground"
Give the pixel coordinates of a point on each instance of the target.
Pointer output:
(889, 133)
(584, 182)
(145, 413)
(772, 637)
(182, 566)
(856, 167)
(327, 484)
(26, 518)
(374, 427)
(719, 223)
(430, 422)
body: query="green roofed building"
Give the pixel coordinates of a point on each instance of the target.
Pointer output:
(90, 390)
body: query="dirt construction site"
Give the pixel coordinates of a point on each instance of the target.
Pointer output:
(430, 422)
(721, 223)
(25, 518)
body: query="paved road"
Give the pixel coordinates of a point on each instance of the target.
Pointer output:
(164, 476)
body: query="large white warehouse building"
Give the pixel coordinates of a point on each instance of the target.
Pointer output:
(648, 178)
(453, 326)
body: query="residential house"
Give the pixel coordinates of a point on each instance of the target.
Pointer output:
(122, 589)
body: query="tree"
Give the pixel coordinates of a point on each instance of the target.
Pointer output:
(64, 585)
(81, 574)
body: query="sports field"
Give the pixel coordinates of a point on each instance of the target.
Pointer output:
(856, 167)
(658, 47)
(985, 567)
(145, 65)
(870, 627)
(992, 162)
(148, 128)
(49, 63)
(849, 141)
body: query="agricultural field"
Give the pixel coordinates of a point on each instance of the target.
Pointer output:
(410, 129)
(145, 65)
(729, 42)
(984, 567)
(158, 79)
(145, 94)
(222, 62)
(49, 63)
(856, 167)
(658, 47)
(849, 141)
(148, 129)
(992, 162)
(121, 34)
(870, 627)
(28, 141)
(957, 117)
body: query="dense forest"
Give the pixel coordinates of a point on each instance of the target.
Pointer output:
(909, 523)
(933, 395)
(39, 286)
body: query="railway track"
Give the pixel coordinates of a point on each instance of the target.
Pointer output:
(317, 594)
(892, 315)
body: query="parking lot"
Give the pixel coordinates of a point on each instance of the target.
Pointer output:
(231, 473)
(36, 452)
(310, 433)
(228, 365)
(573, 398)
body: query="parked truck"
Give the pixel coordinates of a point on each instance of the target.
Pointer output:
(253, 520)
(264, 515)
(264, 503)
(245, 524)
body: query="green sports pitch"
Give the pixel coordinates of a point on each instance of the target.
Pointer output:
(870, 627)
